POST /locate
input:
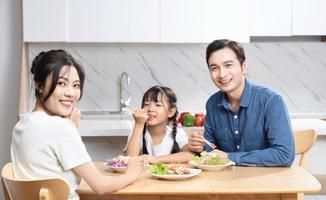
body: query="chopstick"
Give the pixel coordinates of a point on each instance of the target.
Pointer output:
(128, 111)
(212, 145)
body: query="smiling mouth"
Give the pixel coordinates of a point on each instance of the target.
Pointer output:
(66, 103)
(225, 82)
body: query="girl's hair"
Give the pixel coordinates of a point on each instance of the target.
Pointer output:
(49, 64)
(152, 94)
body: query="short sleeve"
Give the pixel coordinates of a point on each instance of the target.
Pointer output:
(129, 137)
(69, 147)
(181, 138)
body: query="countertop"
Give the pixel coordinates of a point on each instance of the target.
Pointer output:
(122, 126)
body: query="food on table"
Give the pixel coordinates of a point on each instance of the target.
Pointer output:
(120, 161)
(169, 169)
(209, 158)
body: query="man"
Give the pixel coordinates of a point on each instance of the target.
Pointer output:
(248, 123)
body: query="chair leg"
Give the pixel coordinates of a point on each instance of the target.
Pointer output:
(301, 196)
(5, 191)
(44, 194)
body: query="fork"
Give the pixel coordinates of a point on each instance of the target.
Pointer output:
(212, 145)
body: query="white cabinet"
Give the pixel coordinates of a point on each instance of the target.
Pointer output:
(113, 20)
(226, 19)
(271, 17)
(181, 21)
(44, 20)
(309, 17)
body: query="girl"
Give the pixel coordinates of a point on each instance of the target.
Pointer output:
(152, 135)
(46, 143)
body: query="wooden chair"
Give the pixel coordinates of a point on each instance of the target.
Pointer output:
(303, 141)
(42, 189)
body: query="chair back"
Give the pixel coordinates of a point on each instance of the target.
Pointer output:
(304, 140)
(42, 189)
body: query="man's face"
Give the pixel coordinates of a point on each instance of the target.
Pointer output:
(226, 71)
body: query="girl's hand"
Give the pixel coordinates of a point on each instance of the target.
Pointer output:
(75, 117)
(149, 159)
(140, 116)
(135, 166)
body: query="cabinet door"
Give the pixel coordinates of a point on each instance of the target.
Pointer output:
(113, 20)
(44, 20)
(181, 21)
(271, 18)
(226, 19)
(309, 17)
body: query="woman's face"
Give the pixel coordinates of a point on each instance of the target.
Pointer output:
(66, 94)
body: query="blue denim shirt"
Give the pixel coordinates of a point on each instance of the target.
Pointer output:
(258, 134)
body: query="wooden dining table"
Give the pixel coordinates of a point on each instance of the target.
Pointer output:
(233, 182)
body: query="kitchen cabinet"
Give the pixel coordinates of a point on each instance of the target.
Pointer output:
(270, 18)
(181, 21)
(309, 17)
(113, 20)
(44, 20)
(226, 19)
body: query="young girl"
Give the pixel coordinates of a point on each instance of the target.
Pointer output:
(46, 142)
(152, 134)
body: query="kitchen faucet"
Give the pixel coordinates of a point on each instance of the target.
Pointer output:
(123, 103)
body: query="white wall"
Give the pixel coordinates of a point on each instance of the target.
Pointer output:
(10, 56)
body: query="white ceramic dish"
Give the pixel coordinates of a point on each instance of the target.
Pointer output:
(193, 172)
(117, 169)
(210, 167)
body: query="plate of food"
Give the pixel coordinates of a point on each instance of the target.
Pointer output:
(172, 171)
(210, 161)
(118, 164)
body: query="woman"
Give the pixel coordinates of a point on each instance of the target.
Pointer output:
(46, 142)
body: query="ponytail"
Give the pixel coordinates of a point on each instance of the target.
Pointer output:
(175, 148)
(145, 151)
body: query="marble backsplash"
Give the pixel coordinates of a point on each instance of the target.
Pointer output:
(296, 70)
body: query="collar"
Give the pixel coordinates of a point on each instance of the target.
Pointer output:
(245, 98)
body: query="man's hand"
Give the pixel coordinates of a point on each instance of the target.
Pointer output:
(196, 142)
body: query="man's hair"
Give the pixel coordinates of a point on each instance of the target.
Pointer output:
(220, 44)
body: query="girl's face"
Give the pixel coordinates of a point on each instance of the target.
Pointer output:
(158, 112)
(66, 94)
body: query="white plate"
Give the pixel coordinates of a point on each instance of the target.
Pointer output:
(117, 169)
(210, 167)
(193, 172)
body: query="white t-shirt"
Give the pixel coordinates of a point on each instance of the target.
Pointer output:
(46, 146)
(165, 147)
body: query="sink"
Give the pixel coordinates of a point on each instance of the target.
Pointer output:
(105, 115)
(105, 123)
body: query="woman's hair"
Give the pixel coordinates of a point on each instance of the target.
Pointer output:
(220, 44)
(152, 94)
(50, 63)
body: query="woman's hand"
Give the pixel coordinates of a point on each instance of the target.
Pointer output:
(75, 117)
(135, 166)
(140, 116)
